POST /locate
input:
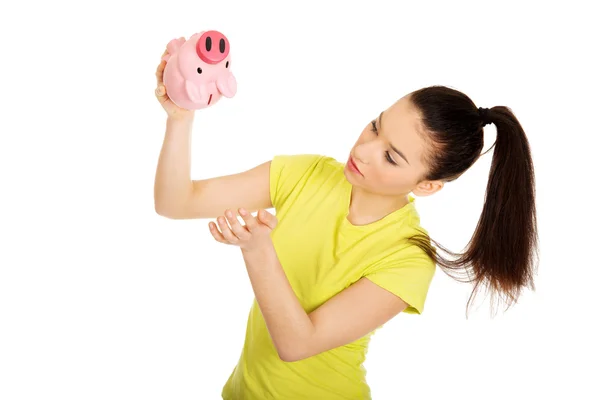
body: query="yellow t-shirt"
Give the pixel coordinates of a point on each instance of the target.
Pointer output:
(322, 254)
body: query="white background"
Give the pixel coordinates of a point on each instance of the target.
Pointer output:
(101, 298)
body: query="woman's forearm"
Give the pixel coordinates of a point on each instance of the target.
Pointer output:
(288, 324)
(173, 184)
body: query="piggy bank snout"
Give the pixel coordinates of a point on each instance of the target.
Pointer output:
(212, 47)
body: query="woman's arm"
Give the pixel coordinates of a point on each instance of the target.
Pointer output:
(346, 317)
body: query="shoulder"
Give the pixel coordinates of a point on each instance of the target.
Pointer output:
(408, 273)
(302, 160)
(297, 166)
(290, 174)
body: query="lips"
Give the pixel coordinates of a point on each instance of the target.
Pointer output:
(354, 165)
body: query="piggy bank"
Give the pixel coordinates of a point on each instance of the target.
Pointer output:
(198, 70)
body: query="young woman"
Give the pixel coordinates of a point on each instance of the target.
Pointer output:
(346, 252)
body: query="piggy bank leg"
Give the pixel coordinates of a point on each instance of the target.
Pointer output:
(196, 93)
(174, 45)
(227, 85)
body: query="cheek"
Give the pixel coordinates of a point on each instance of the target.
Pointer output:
(395, 177)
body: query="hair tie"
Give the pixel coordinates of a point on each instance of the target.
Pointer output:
(484, 113)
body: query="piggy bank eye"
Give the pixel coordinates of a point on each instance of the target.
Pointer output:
(199, 70)
(227, 64)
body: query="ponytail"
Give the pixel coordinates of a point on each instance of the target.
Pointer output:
(502, 252)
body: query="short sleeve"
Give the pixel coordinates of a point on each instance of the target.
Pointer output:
(288, 173)
(408, 274)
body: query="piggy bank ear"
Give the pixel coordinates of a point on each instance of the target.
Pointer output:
(227, 85)
(175, 44)
(197, 94)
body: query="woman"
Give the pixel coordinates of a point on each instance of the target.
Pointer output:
(346, 252)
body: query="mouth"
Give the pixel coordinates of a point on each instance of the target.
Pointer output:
(209, 99)
(351, 160)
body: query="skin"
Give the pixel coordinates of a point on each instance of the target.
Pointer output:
(383, 187)
(173, 111)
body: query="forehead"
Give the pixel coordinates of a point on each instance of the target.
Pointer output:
(401, 125)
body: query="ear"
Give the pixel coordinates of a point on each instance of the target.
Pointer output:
(227, 84)
(427, 188)
(196, 93)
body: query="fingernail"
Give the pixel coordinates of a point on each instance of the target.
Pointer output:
(242, 211)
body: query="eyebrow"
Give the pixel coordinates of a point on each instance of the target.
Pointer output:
(391, 145)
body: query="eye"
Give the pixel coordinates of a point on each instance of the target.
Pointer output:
(227, 64)
(387, 153)
(199, 70)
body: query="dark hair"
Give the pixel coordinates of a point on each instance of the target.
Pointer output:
(501, 252)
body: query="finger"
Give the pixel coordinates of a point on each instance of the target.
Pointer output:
(249, 219)
(267, 218)
(161, 67)
(159, 72)
(226, 231)
(238, 230)
(215, 233)
(161, 93)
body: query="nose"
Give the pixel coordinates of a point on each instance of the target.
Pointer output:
(212, 47)
(358, 158)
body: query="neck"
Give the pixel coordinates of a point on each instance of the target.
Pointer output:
(366, 207)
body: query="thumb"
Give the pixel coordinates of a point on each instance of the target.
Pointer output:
(161, 94)
(267, 218)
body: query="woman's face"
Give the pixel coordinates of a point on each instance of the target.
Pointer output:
(389, 154)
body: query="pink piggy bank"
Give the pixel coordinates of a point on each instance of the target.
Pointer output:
(198, 70)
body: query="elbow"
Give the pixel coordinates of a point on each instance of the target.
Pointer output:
(292, 357)
(171, 208)
(166, 212)
(292, 354)
(288, 357)
(159, 205)
(160, 209)
(286, 353)
(299, 348)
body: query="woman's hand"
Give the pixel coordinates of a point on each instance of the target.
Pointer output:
(254, 235)
(173, 111)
